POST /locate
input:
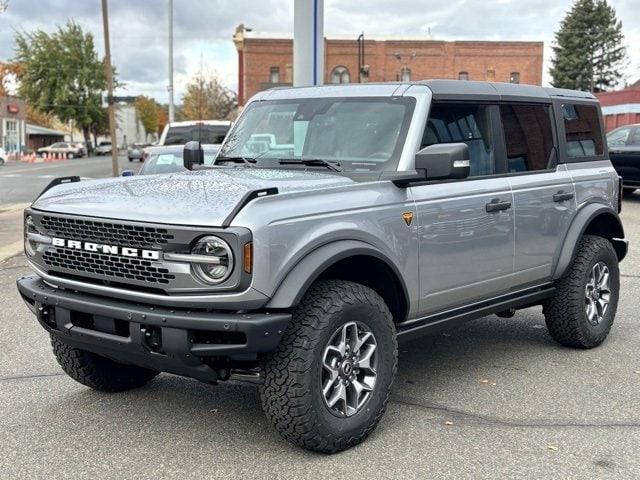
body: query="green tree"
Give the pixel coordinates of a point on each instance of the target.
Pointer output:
(207, 99)
(147, 110)
(589, 48)
(62, 75)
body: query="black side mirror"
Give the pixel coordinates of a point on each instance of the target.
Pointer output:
(192, 155)
(443, 161)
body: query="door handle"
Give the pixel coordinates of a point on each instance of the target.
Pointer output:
(562, 196)
(496, 205)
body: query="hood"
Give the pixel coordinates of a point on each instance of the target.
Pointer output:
(204, 197)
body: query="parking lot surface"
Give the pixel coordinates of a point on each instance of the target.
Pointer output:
(496, 398)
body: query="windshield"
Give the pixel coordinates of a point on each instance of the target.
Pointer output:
(205, 134)
(362, 133)
(170, 162)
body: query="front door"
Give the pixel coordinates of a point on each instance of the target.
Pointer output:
(466, 227)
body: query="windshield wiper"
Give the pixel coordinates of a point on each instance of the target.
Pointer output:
(314, 162)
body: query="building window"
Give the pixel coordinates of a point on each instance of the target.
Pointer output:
(515, 77)
(274, 75)
(463, 76)
(340, 74)
(405, 74)
(491, 75)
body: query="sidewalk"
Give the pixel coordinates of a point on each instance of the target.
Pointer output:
(11, 229)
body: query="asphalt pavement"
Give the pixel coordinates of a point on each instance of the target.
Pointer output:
(495, 398)
(22, 182)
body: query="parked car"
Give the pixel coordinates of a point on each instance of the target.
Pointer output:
(135, 151)
(168, 159)
(103, 148)
(3, 157)
(211, 132)
(624, 150)
(66, 149)
(334, 222)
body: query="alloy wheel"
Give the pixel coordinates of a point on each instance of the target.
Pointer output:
(349, 365)
(597, 293)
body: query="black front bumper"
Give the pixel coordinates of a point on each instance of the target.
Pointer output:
(184, 342)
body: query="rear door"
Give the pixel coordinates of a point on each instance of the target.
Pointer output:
(465, 227)
(543, 192)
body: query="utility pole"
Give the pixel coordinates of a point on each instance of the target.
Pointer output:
(109, 75)
(172, 112)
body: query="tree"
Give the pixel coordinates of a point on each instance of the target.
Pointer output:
(39, 118)
(163, 117)
(589, 48)
(207, 99)
(8, 76)
(62, 75)
(99, 125)
(147, 110)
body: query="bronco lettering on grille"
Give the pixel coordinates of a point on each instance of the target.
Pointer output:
(106, 249)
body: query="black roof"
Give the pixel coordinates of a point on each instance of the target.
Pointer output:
(465, 89)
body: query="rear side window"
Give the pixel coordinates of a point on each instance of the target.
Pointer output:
(582, 130)
(528, 137)
(470, 124)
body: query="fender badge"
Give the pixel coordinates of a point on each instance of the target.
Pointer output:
(407, 217)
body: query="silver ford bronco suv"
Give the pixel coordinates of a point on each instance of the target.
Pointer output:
(335, 221)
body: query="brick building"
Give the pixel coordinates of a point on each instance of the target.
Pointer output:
(267, 62)
(621, 107)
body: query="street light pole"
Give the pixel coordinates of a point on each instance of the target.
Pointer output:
(109, 75)
(171, 107)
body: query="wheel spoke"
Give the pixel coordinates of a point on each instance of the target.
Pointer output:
(361, 341)
(364, 362)
(339, 394)
(591, 310)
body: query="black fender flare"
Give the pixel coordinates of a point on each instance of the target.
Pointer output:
(311, 266)
(579, 225)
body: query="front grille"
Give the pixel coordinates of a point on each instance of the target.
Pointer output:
(109, 265)
(106, 232)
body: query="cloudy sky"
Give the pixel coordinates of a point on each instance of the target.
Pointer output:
(203, 29)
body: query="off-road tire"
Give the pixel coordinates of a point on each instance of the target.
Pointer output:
(291, 394)
(98, 372)
(565, 313)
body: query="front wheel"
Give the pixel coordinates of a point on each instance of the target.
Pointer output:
(581, 312)
(70, 156)
(327, 385)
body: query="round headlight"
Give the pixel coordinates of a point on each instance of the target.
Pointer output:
(218, 269)
(29, 227)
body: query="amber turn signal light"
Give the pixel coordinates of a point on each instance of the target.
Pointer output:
(248, 257)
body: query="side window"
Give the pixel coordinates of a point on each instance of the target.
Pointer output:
(618, 137)
(471, 124)
(528, 137)
(582, 130)
(635, 138)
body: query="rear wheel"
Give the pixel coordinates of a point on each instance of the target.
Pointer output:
(328, 383)
(581, 312)
(70, 156)
(98, 372)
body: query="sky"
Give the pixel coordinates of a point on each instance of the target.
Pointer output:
(203, 29)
